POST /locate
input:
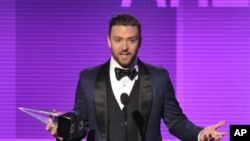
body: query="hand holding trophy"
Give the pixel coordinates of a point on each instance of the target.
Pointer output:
(64, 126)
(52, 126)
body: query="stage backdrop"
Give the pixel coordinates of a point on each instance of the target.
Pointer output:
(44, 44)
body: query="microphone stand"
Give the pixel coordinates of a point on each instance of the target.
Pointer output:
(139, 120)
(125, 99)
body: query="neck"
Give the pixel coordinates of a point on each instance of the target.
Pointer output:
(131, 65)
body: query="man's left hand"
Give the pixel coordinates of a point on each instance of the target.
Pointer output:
(210, 133)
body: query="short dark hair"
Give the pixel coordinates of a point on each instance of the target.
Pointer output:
(124, 19)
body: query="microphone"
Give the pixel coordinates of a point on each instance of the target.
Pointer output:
(139, 120)
(125, 99)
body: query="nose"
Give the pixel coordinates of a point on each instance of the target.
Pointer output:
(124, 45)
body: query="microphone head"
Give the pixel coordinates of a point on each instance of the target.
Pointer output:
(124, 99)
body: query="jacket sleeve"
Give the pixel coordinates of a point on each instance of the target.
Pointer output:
(80, 106)
(177, 122)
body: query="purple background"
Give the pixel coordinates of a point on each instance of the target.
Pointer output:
(44, 44)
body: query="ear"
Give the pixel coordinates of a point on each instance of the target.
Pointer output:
(108, 41)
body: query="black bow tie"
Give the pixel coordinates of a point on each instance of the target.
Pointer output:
(131, 73)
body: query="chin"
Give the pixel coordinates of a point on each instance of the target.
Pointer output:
(124, 62)
(125, 65)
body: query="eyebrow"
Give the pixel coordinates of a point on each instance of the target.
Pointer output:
(127, 38)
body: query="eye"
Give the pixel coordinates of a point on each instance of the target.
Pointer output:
(132, 40)
(118, 40)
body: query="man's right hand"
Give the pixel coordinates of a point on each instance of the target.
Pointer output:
(52, 128)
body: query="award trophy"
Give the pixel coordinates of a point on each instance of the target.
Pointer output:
(70, 125)
(37, 114)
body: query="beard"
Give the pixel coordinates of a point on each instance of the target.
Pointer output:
(125, 61)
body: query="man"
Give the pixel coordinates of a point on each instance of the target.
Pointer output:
(150, 94)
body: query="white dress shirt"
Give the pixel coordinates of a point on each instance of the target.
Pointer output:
(124, 85)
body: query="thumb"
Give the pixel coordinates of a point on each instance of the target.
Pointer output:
(219, 124)
(50, 119)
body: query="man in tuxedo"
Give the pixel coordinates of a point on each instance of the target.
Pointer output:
(125, 99)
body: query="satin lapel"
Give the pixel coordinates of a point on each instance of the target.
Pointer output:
(100, 100)
(145, 94)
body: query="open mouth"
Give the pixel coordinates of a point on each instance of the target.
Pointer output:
(124, 56)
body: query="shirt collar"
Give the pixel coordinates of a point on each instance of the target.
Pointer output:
(114, 64)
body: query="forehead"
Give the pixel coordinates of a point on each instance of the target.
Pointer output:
(124, 30)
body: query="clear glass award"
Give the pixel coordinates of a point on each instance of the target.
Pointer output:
(40, 114)
(70, 124)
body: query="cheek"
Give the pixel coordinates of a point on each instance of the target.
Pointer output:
(135, 49)
(114, 49)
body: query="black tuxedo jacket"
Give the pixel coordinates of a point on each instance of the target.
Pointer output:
(156, 101)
